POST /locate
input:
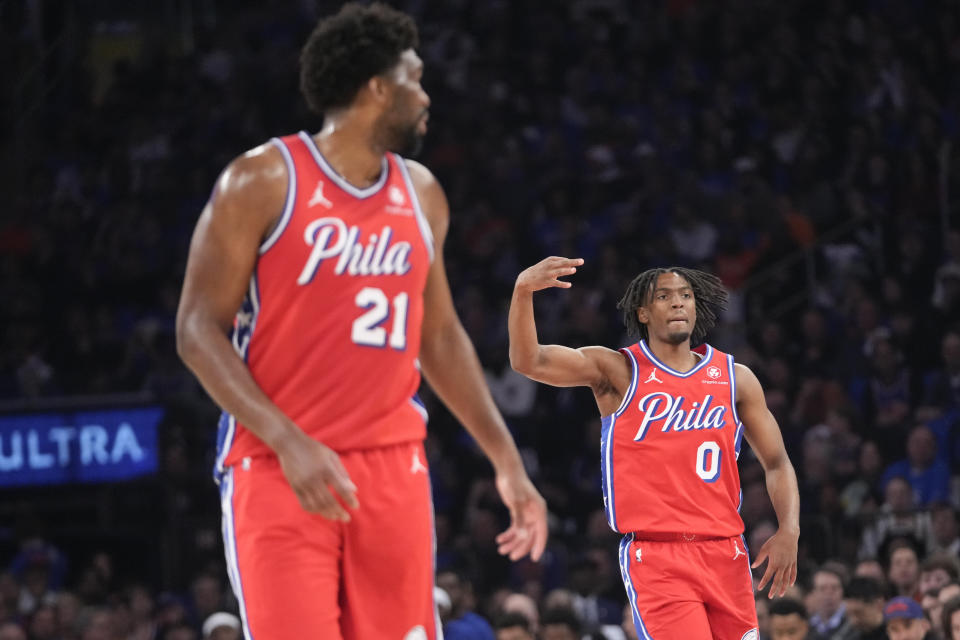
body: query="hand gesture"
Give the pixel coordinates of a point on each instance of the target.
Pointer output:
(546, 273)
(781, 552)
(317, 476)
(528, 517)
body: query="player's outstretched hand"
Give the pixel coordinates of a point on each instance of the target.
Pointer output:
(317, 476)
(547, 272)
(780, 550)
(528, 517)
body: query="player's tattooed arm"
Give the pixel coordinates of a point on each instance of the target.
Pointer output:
(763, 434)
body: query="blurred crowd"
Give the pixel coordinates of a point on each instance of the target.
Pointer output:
(801, 150)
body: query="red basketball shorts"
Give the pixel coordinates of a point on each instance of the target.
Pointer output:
(299, 575)
(684, 590)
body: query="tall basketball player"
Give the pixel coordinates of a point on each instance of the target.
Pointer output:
(315, 293)
(671, 431)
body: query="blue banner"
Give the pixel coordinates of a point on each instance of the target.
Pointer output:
(78, 446)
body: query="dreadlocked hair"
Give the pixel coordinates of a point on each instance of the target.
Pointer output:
(708, 294)
(345, 50)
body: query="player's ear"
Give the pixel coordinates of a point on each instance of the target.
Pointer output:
(378, 87)
(643, 315)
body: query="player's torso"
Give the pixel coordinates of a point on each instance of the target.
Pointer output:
(669, 453)
(331, 325)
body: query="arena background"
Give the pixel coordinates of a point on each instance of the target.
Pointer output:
(802, 150)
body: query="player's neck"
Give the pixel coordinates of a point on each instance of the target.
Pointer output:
(678, 357)
(348, 147)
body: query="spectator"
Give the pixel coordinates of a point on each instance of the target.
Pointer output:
(950, 620)
(560, 623)
(223, 626)
(897, 518)
(937, 571)
(788, 621)
(513, 626)
(461, 622)
(525, 606)
(904, 570)
(12, 631)
(905, 620)
(928, 476)
(180, 631)
(829, 611)
(946, 533)
(763, 616)
(43, 623)
(864, 600)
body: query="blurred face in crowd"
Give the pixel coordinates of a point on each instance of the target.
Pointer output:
(871, 569)
(791, 627)
(933, 579)
(864, 615)
(907, 629)
(950, 351)
(904, 569)
(523, 604)
(898, 495)
(558, 632)
(763, 616)
(226, 633)
(827, 593)
(944, 525)
(921, 447)
(871, 462)
(43, 625)
(955, 626)
(513, 633)
(11, 631)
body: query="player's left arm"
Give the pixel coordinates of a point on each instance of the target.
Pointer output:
(450, 364)
(763, 434)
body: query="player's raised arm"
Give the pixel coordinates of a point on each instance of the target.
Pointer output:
(552, 364)
(763, 434)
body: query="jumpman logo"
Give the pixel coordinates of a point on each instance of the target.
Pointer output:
(738, 551)
(417, 466)
(653, 377)
(318, 197)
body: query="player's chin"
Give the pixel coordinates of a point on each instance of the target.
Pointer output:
(678, 337)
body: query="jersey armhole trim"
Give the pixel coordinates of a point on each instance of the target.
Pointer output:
(628, 396)
(422, 222)
(738, 437)
(288, 203)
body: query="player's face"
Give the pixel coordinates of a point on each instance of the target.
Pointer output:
(404, 122)
(670, 313)
(791, 627)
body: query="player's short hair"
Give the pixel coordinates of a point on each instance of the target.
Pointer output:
(708, 294)
(348, 48)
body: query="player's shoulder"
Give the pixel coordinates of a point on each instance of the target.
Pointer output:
(258, 177)
(432, 199)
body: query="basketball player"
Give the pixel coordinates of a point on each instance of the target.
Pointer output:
(671, 433)
(315, 293)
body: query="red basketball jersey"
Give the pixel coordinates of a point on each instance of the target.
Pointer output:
(669, 452)
(330, 327)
